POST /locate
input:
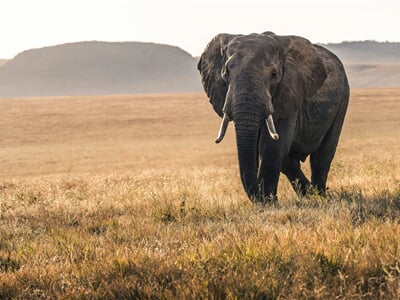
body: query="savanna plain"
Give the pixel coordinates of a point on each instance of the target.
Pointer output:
(128, 197)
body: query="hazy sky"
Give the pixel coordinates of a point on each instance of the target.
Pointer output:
(26, 24)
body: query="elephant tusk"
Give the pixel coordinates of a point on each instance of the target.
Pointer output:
(271, 128)
(222, 129)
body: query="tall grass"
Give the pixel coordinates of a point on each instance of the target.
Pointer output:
(176, 224)
(192, 234)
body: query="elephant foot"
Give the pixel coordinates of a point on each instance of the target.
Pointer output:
(311, 190)
(271, 200)
(301, 187)
(268, 200)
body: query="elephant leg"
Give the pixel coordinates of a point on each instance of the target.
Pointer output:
(273, 153)
(322, 158)
(291, 168)
(320, 164)
(268, 175)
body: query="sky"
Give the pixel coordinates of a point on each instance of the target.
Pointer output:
(190, 25)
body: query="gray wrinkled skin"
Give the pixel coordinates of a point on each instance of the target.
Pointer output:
(305, 89)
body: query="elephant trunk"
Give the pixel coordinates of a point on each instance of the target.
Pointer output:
(248, 119)
(247, 144)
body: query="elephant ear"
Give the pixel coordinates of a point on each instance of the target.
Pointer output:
(210, 65)
(303, 75)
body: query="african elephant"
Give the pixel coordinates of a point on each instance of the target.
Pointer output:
(287, 98)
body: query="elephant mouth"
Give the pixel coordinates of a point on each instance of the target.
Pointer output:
(225, 122)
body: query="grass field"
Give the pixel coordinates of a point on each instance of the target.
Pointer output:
(129, 197)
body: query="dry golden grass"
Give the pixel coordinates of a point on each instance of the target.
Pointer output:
(107, 134)
(128, 197)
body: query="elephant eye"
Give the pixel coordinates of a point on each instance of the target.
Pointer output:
(273, 76)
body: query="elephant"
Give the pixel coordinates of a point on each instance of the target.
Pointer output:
(287, 99)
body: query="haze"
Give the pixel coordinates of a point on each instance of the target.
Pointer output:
(26, 24)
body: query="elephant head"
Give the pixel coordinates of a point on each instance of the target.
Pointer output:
(254, 78)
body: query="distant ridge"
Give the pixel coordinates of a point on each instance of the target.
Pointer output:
(3, 61)
(99, 68)
(370, 63)
(367, 52)
(87, 68)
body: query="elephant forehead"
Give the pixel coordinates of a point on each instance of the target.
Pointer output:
(253, 48)
(254, 58)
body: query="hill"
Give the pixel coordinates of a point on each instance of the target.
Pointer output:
(88, 68)
(100, 68)
(370, 63)
(373, 75)
(3, 61)
(367, 52)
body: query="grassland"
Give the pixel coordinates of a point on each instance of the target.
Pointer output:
(128, 197)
